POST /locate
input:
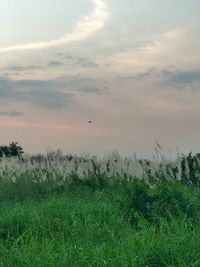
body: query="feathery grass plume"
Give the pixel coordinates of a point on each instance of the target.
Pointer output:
(61, 170)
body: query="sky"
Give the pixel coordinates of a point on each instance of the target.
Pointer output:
(132, 67)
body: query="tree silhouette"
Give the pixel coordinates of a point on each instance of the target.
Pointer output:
(13, 150)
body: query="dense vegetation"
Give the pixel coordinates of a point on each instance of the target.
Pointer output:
(69, 210)
(13, 150)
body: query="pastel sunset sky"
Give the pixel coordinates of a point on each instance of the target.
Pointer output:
(132, 67)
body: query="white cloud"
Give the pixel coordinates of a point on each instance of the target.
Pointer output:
(157, 50)
(83, 29)
(162, 42)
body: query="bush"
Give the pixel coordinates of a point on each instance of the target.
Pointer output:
(164, 200)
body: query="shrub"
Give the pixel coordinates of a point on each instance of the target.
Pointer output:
(164, 200)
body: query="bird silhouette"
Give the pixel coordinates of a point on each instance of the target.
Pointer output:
(89, 122)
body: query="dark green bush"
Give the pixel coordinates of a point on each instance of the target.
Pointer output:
(163, 200)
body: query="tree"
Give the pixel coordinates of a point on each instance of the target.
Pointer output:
(13, 150)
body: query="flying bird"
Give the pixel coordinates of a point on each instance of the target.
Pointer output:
(89, 122)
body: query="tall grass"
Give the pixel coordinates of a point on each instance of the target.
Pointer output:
(55, 172)
(102, 228)
(81, 211)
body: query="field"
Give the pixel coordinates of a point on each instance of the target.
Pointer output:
(112, 211)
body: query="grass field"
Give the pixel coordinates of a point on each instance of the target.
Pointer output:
(50, 217)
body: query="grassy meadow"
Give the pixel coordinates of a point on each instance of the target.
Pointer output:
(71, 211)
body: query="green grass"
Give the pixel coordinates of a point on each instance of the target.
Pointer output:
(85, 227)
(60, 211)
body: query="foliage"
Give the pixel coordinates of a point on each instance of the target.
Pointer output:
(162, 201)
(86, 228)
(109, 211)
(191, 169)
(13, 150)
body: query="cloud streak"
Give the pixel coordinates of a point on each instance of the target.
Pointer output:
(42, 93)
(83, 30)
(10, 113)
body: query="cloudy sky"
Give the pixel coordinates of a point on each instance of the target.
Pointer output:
(132, 67)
